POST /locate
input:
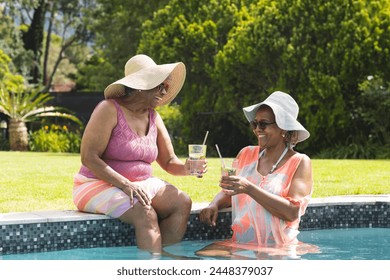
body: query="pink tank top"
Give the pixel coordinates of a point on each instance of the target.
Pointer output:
(127, 153)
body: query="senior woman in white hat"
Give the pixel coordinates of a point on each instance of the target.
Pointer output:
(272, 185)
(123, 137)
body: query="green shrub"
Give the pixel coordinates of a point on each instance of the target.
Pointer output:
(172, 118)
(367, 151)
(55, 138)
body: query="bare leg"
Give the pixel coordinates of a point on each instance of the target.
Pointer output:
(147, 230)
(173, 208)
(221, 252)
(214, 250)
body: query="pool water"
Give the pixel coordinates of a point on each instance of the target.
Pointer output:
(349, 244)
(334, 244)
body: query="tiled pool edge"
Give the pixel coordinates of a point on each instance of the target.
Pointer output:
(60, 230)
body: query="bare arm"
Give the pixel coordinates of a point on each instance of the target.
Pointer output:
(209, 214)
(278, 206)
(95, 140)
(221, 201)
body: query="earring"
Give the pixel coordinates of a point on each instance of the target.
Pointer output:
(283, 135)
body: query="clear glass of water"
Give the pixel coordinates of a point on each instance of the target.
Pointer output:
(197, 156)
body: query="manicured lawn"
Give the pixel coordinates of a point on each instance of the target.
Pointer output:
(43, 181)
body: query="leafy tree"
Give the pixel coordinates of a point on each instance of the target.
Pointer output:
(172, 119)
(237, 52)
(67, 70)
(117, 28)
(318, 51)
(194, 32)
(33, 39)
(72, 30)
(66, 19)
(11, 43)
(22, 104)
(8, 79)
(371, 137)
(373, 108)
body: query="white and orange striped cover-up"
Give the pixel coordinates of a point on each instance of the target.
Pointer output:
(254, 227)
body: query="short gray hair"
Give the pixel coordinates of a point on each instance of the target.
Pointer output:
(291, 138)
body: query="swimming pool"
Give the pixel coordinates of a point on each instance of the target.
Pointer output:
(66, 230)
(334, 244)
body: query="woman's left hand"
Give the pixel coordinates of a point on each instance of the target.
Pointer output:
(234, 184)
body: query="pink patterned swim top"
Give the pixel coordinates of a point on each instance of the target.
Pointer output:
(128, 153)
(251, 222)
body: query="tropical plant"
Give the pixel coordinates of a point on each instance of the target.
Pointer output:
(23, 103)
(26, 105)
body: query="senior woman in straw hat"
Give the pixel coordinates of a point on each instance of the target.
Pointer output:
(123, 137)
(272, 185)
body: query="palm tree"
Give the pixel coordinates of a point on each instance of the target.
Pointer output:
(26, 105)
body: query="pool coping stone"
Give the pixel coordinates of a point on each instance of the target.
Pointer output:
(53, 216)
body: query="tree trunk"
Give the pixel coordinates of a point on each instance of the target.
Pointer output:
(52, 8)
(18, 138)
(33, 39)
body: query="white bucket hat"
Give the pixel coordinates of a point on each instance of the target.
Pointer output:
(141, 72)
(285, 110)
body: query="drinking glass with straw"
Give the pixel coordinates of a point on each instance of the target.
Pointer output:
(197, 155)
(229, 166)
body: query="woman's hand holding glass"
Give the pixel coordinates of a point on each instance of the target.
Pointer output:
(233, 185)
(197, 159)
(228, 169)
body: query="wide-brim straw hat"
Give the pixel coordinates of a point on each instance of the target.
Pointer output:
(286, 113)
(142, 73)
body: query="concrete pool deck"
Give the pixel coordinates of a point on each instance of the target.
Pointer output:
(37, 231)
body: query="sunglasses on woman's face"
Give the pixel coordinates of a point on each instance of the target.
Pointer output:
(162, 86)
(261, 124)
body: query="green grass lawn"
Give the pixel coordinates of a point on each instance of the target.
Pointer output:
(43, 181)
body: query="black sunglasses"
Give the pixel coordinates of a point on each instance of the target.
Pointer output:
(261, 124)
(162, 86)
